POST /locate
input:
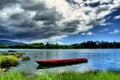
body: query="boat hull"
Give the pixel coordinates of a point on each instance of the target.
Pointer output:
(60, 62)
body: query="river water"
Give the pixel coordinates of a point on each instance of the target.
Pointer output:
(100, 59)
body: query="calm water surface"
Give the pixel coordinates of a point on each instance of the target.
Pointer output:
(102, 59)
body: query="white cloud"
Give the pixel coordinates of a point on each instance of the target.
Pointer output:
(116, 31)
(58, 42)
(117, 17)
(105, 1)
(106, 29)
(47, 40)
(7, 12)
(88, 33)
(83, 34)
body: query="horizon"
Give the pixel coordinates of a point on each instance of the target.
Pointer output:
(76, 21)
(57, 43)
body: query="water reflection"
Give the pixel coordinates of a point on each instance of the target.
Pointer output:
(55, 66)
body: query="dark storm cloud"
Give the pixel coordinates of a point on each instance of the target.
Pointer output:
(102, 9)
(17, 16)
(73, 2)
(93, 23)
(5, 36)
(71, 26)
(30, 28)
(33, 6)
(2, 29)
(25, 24)
(4, 3)
(93, 4)
(4, 32)
(35, 33)
(22, 20)
(49, 16)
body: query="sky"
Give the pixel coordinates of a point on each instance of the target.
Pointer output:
(59, 21)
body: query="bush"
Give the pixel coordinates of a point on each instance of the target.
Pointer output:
(8, 61)
(25, 58)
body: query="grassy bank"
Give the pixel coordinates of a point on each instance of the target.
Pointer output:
(92, 75)
(8, 59)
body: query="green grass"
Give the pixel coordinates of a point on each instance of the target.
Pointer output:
(12, 76)
(91, 75)
(7, 61)
(17, 54)
(80, 76)
(2, 57)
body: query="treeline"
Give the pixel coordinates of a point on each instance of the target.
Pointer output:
(83, 45)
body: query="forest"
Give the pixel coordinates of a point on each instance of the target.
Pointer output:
(83, 45)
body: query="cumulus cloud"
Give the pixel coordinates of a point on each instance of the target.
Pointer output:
(36, 20)
(106, 29)
(117, 17)
(116, 31)
(88, 33)
(83, 34)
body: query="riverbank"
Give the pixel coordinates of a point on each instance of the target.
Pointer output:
(8, 59)
(91, 75)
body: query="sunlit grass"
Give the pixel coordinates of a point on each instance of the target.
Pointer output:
(91, 75)
(12, 76)
(80, 76)
(7, 57)
(7, 61)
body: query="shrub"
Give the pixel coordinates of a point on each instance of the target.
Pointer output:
(7, 61)
(25, 58)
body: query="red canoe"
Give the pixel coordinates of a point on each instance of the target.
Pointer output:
(61, 61)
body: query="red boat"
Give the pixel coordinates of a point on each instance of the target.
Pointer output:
(60, 62)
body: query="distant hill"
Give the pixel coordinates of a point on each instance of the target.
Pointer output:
(7, 42)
